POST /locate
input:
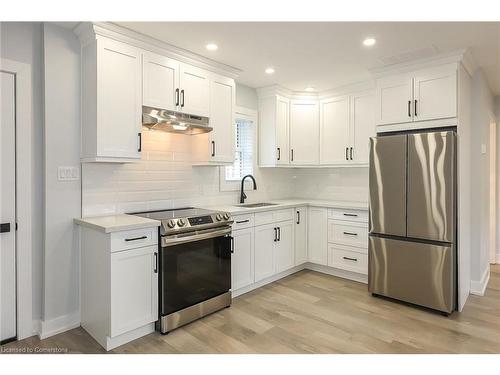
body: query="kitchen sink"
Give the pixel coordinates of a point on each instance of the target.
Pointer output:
(254, 205)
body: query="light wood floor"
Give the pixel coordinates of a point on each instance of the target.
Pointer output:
(310, 312)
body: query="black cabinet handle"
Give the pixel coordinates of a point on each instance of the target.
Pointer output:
(232, 244)
(275, 234)
(279, 234)
(156, 263)
(350, 234)
(292, 154)
(350, 153)
(5, 228)
(279, 153)
(409, 108)
(140, 142)
(353, 259)
(176, 97)
(182, 97)
(415, 108)
(353, 215)
(242, 221)
(213, 148)
(136, 238)
(346, 153)
(298, 217)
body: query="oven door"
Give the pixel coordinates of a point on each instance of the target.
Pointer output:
(194, 267)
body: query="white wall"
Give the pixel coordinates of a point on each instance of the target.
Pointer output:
(497, 114)
(246, 97)
(22, 42)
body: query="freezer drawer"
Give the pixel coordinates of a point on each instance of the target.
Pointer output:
(431, 186)
(388, 185)
(413, 272)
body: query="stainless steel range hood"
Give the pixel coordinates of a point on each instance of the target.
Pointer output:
(174, 122)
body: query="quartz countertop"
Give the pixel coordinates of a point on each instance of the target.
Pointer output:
(116, 223)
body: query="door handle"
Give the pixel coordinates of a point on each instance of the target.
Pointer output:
(213, 148)
(279, 234)
(298, 217)
(140, 142)
(176, 97)
(182, 98)
(350, 153)
(279, 153)
(409, 108)
(275, 234)
(135, 238)
(156, 262)
(353, 259)
(5, 228)
(415, 108)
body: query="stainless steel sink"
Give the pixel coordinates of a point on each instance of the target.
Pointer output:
(254, 205)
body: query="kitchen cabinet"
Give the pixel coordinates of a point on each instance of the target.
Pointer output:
(304, 132)
(111, 101)
(300, 235)
(265, 237)
(317, 235)
(425, 95)
(194, 93)
(283, 247)
(362, 126)
(242, 260)
(160, 77)
(274, 124)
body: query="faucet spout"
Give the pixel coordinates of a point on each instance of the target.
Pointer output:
(243, 196)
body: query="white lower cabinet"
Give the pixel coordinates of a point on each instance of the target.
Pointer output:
(300, 235)
(265, 236)
(317, 235)
(348, 258)
(242, 260)
(283, 249)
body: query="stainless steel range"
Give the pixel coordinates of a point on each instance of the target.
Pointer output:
(195, 264)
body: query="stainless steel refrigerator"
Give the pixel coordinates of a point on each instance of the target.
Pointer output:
(412, 240)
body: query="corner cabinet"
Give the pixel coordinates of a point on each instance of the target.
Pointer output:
(111, 101)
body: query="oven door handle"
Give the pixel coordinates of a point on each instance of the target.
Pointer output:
(197, 237)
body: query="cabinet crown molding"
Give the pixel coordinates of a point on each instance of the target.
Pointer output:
(269, 91)
(90, 31)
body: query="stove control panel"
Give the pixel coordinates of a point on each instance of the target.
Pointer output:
(200, 220)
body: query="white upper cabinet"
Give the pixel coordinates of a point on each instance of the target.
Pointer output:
(334, 130)
(111, 101)
(435, 94)
(394, 99)
(160, 87)
(194, 90)
(282, 130)
(362, 126)
(304, 132)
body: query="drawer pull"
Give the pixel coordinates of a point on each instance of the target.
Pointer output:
(352, 259)
(242, 221)
(351, 215)
(136, 238)
(350, 234)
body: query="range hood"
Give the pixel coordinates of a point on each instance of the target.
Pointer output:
(174, 122)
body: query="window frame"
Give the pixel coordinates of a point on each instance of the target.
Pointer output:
(247, 114)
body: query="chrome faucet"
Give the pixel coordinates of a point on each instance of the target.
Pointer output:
(243, 196)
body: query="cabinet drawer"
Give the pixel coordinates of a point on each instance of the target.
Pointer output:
(347, 233)
(243, 221)
(349, 260)
(349, 215)
(134, 238)
(284, 215)
(275, 216)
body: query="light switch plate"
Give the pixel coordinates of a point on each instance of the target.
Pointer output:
(483, 149)
(68, 173)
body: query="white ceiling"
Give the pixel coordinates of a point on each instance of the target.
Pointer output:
(326, 54)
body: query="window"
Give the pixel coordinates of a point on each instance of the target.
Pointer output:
(243, 161)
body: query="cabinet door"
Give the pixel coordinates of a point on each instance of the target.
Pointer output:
(134, 300)
(119, 103)
(195, 89)
(222, 102)
(242, 268)
(362, 126)
(304, 132)
(301, 236)
(264, 246)
(334, 130)
(435, 94)
(282, 130)
(160, 83)
(317, 235)
(283, 250)
(394, 98)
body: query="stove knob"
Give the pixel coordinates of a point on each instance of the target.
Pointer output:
(218, 217)
(181, 222)
(171, 223)
(227, 216)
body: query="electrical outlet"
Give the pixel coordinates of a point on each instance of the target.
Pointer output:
(68, 173)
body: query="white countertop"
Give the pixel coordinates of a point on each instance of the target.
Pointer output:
(287, 203)
(116, 223)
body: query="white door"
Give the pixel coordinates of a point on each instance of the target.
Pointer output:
(283, 250)
(300, 235)
(394, 100)
(304, 132)
(362, 126)
(119, 100)
(222, 102)
(195, 91)
(134, 289)
(317, 235)
(242, 269)
(334, 130)
(8, 328)
(265, 238)
(160, 85)
(435, 94)
(282, 129)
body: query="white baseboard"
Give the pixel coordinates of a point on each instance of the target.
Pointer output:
(479, 287)
(58, 325)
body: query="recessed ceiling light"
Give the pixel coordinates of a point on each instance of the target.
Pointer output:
(309, 89)
(369, 42)
(269, 70)
(212, 47)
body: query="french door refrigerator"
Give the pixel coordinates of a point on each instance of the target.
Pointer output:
(412, 240)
